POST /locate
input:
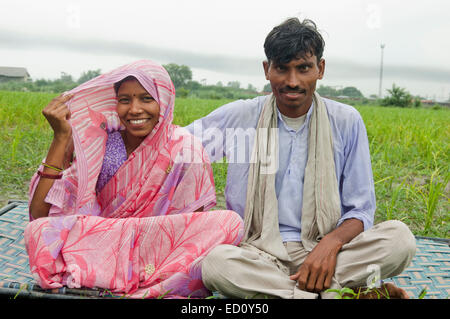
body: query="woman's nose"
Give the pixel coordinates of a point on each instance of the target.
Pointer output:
(135, 106)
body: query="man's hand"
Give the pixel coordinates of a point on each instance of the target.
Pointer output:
(316, 272)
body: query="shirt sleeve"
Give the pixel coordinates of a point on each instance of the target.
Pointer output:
(356, 184)
(211, 130)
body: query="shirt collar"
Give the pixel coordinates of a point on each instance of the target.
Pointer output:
(308, 116)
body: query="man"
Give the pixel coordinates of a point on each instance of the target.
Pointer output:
(299, 173)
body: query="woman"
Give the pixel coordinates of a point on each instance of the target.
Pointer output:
(121, 210)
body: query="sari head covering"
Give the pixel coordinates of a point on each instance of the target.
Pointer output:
(168, 173)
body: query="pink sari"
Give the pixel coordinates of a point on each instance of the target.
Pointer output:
(139, 235)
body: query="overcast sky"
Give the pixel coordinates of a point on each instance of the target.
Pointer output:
(223, 40)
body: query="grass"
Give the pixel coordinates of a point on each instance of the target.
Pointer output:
(410, 161)
(409, 149)
(348, 293)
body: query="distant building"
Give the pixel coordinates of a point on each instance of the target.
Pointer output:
(8, 73)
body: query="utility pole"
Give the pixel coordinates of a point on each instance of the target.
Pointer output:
(381, 72)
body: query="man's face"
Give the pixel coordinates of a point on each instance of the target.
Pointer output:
(293, 83)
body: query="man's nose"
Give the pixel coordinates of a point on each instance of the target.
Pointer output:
(292, 80)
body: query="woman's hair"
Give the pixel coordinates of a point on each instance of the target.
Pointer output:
(118, 84)
(293, 39)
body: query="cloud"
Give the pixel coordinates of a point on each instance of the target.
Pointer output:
(233, 65)
(339, 68)
(336, 68)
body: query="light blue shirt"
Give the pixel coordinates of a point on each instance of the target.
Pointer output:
(229, 131)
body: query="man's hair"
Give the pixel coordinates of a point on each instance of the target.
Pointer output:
(292, 40)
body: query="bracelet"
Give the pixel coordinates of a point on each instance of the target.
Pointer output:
(52, 167)
(50, 176)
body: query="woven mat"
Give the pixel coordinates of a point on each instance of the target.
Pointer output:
(15, 276)
(429, 269)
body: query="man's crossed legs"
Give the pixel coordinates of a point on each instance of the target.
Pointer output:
(247, 272)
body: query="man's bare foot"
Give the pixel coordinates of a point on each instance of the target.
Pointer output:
(386, 291)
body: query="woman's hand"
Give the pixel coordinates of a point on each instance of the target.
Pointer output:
(59, 154)
(57, 114)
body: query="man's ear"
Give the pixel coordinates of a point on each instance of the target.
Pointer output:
(266, 65)
(321, 68)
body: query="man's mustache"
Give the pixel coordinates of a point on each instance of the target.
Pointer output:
(292, 90)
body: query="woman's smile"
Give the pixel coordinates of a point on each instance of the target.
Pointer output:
(138, 122)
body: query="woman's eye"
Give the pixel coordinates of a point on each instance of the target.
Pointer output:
(123, 100)
(147, 98)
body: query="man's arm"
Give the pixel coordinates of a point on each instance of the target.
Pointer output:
(357, 189)
(358, 204)
(211, 129)
(316, 272)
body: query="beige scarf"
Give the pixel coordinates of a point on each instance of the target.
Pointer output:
(321, 208)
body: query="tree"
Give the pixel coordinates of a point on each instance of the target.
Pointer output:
(88, 75)
(351, 91)
(234, 84)
(327, 91)
(41, 82)
(182, 92)
(398, 97)
(66, 78)
(180, 74)
(267, 88)
(193, 85)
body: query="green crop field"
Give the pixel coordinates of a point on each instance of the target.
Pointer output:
(409, 147)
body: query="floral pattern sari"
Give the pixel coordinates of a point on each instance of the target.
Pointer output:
(140, 235)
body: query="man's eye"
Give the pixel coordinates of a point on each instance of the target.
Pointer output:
(304, 68)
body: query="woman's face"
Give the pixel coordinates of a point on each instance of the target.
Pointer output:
(138, 110)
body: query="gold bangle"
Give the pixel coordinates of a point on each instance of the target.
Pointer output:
(53, 167)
